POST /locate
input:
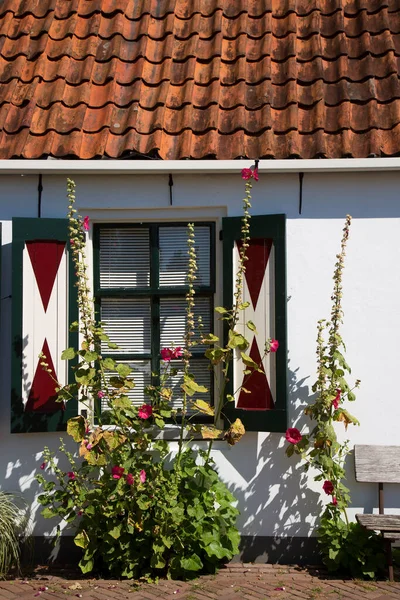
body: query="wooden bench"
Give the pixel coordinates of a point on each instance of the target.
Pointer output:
(380, 464)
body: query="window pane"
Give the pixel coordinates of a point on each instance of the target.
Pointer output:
(173, 320)
(142, 377)
(127, 323)
(124, 257)
(202, 375)
(174, 256)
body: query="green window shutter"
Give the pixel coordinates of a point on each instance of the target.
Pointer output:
(44, 303)
(264, 409)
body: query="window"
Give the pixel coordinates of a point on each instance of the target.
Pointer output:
(140, 287)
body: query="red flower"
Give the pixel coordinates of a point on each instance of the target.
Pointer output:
(247, 174)
(293, 435)
(71, 475)
(129, 479)
(334, 500)
(43, 466)
(336, 401)
(145, 411)
(80, 513)
(86, 223)
(274, 345)
(177, 353)
(100, 394)
(255, 173)
(167, 354)
(328, 487)
(117, 472)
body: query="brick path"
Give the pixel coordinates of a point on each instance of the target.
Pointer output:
(235, 582)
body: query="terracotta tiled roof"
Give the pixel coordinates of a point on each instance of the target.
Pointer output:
(197, 78)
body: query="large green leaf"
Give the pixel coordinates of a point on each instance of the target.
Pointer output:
(192, 563)
(76, 428)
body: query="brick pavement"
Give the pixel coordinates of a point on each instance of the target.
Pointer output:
(235, 582)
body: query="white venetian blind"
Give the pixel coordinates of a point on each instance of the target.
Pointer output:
(174, 256)
(127, 322)
(202, 375)
(124, 257)
(141, 375)
(173, 320)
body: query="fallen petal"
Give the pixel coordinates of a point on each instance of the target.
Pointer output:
(279, 589)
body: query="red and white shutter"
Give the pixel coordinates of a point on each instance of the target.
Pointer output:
(258, 291)
(44, 322)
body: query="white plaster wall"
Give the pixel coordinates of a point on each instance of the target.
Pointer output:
(274, 496)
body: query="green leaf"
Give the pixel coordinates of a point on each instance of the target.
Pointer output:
(210, 339)
(86, 565)
(76, 428)
(115, 532)
(81, 539)
(220, 309)
(122, 403)
(248, 361)
(123, 370)
(49, 513)
(251, 326)
(157, 562)
(216, 549)
(230, 398)
(85, 376)
(191, 387)
(112, 345)
(68, 354)
(74, 326)
(192, 563)
(89, 356)
(109, 363)
(244, 305)
(237, 340)
(203, 407)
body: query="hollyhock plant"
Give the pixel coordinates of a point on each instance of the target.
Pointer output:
(247, 174)
(142, 476)
(293, 435)
(336, 401)
(145, 411)
(166, 354)
(328, 487)
(274, 345)
(117, 472)
(129, 479)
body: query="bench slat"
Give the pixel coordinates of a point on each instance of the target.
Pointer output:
(389, 523)
(377, 464)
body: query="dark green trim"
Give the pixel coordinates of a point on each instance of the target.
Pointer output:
(28, 230)
(268, 227)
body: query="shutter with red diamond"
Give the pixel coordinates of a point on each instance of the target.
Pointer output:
(41, 314)
(260, 397)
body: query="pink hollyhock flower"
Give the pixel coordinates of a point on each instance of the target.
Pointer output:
(177, 352)
(274, 345)
(43, 466)
(247, 174)
(167, 354)
(71, 475)
(334, 500)
(129, 479)
(328, 487)
(142, 476)
(86, 223)
(336, 401)
(80, 513)
(145, 411)
(100, 394)
(117, 472)
(293, 435)
(89, 446)
(255, 173)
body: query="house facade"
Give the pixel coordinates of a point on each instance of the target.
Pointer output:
(153, 109)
